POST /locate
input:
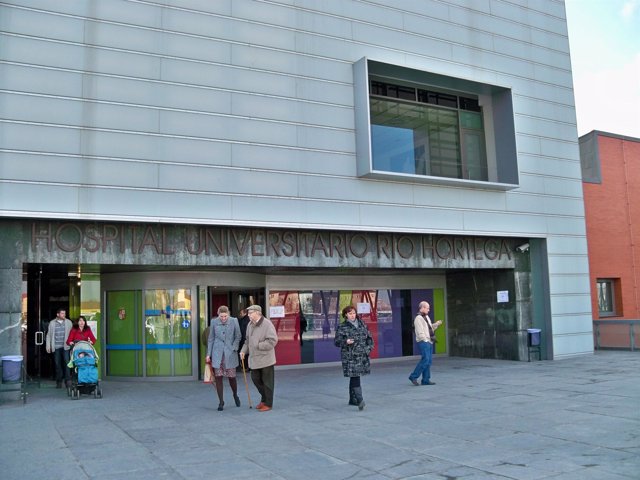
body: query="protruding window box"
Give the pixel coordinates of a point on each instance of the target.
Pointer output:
(427, 128)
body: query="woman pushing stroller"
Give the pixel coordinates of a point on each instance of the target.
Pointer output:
(81, 332)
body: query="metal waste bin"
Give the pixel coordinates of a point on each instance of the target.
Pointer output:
(534, 337)
(533, 342)
(13, 377)
(11, 368)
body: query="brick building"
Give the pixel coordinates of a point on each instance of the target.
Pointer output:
(611, 184)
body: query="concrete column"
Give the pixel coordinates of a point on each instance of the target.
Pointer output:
(10, 309)
(10, 289)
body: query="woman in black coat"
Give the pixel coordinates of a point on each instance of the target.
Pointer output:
(355, 342)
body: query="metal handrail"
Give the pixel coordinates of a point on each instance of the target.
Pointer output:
(598, 323)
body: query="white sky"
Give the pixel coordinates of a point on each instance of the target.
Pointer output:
(604, 37)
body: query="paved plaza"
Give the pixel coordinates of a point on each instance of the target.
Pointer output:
(577, 418)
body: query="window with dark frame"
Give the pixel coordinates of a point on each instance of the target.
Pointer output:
(606, 296)
(423, 131)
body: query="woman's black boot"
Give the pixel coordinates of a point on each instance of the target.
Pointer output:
(220, 391)
(234, 388)
(352, 397)
(357, 391)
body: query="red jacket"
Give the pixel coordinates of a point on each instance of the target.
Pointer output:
(76, 335)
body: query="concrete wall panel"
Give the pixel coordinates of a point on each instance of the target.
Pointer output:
(34, 79)
(572, 344)
(78, 170)
(38, 24)
(390, 217)
(523, 225)
(567, 245)
(40, 138)
(141, 204)
(570, 304)
(47, 200)
(567, 325)
(569, 284)
(292, 111)
(292, 160)
(571, 265)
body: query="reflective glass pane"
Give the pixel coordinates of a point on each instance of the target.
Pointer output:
(393, 149)
(168, 332)
(307, 324)
(444, 142)
(605, 296)
(286, 321)
(474, 155)
(415, 139)
(90, 307)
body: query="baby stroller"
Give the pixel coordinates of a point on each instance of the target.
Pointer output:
(84, 371)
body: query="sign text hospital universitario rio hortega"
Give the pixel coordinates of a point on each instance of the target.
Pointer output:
(172, 244)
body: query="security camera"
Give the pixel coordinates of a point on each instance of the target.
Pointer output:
(523, 248)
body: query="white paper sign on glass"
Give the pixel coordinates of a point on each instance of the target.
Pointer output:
(94, 327)
(276, 311)
(363, 308)
(503, 296)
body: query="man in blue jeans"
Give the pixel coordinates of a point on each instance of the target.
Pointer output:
(56, 343)
(425, 337)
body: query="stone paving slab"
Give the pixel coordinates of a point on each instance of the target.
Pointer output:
(577, 418)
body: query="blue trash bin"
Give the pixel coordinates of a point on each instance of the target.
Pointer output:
(534, 337)
(11, 368)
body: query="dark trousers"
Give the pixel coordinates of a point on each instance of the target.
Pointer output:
(61, 357)
(264, 380)
(354, 382)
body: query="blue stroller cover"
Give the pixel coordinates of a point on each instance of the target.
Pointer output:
(85, 360)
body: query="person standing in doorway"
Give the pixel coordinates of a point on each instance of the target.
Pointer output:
(425, 336)
(243, 320)
(57, 334)
(222, 352)
(355, 342)
(260, 344)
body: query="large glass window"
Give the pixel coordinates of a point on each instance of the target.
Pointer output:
(427, 133)
(306, 321)
(423, 127)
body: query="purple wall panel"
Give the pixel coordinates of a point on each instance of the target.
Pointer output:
(390, 328)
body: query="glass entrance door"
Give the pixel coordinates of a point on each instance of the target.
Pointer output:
(239, 299)
(167, 332)
(149, 333)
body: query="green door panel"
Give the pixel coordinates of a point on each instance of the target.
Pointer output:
(123, 347)
(438, 308)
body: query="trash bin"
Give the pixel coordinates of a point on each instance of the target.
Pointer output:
(11, 368)
(534, 337)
